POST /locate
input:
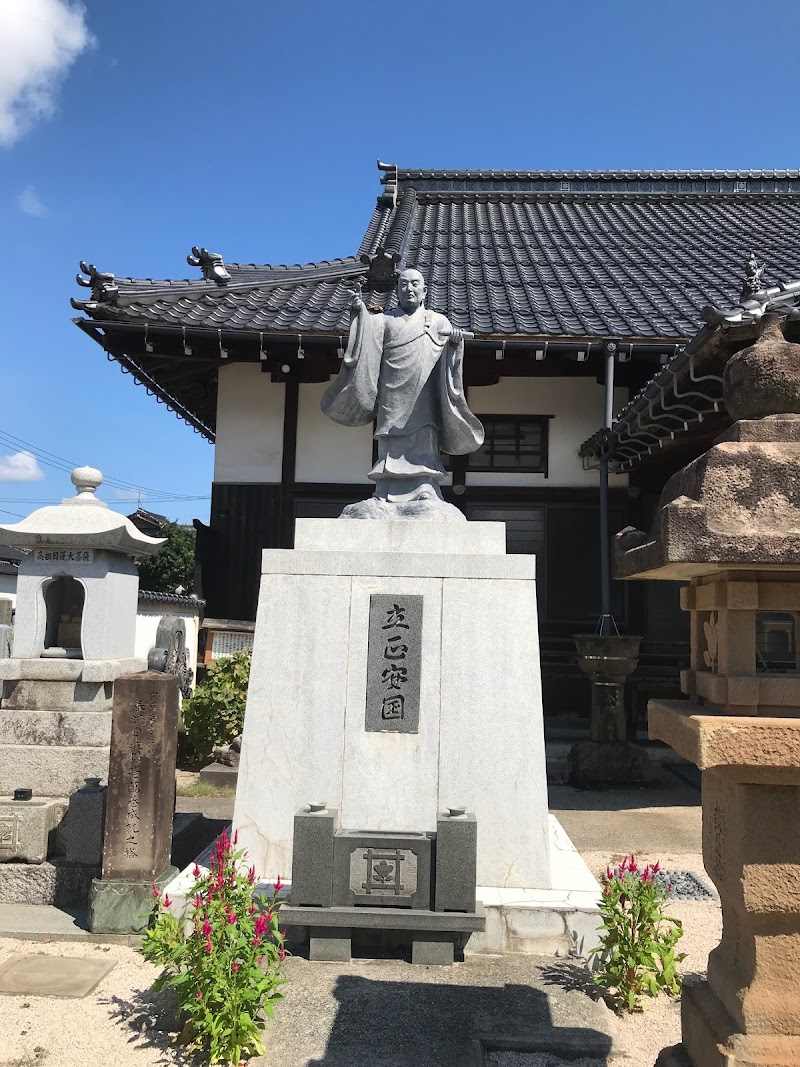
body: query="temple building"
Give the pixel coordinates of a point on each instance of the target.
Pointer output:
(552, 272)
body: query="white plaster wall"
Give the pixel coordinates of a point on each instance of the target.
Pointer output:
(576, 405)
(249, 444)
(147, 620)
(326, 451)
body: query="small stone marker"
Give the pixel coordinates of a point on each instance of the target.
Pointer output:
(141, 792)
(393, 663)
(52, 976)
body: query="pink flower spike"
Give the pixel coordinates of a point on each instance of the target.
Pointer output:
(236, 837)
(251, 875)
(256, 942)
(281, 953)
(234, 967)
(633, 866)
(206, 928)
(156, 891)
(231, 919)
(624, 865)
(609, 874)
(278, 886)
(196, 870)
(198, 900)
(208, 947)
(167, 901)
(251, 909)
(198, 995)
(656, 867)
(261, 925)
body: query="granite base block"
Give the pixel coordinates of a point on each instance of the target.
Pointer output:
(117, 907)
(82, 832)
(50, 770)
(596, 765)
(433, 950)
(83, 728)
(329, 946)
(220, 776)
(27, 828)
(53, 882)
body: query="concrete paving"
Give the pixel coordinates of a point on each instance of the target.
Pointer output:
(51, 976)
(392, 1014)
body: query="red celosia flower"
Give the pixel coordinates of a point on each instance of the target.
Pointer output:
(623, 865)
(609, 873)
(236, 837)
(251, 909)
(281, 953)
(208, 947)
(261, 924)
(196, 870)
(283, 935)
(198, 995)
(251, 875)
(269, 917)
(632, 866)
(278, 886)
(234, 967)
(198, 900)
(231, 919)
(256, 942)
(167, 901)
(206, 928)
(656, 867)
(156, 891)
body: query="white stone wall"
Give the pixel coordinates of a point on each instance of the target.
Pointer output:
(576, 405)
(249, 444)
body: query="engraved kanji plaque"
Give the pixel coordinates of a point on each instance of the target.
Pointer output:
(394, 663)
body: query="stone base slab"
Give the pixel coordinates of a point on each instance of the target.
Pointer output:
(710, 1038)
(50, 770)
(69, 670)
(90, 729)
(28, 694)
(26, 828)
(220, 776)
(52, 882)
(595, 765)
(117, 907)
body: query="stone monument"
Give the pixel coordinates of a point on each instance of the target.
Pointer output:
(729, 523)
(400, 676)
(73, 637)
(403, 370)
(141, 798)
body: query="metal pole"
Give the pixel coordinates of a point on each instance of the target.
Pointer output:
(607, 625)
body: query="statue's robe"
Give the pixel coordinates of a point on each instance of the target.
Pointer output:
(404, 371)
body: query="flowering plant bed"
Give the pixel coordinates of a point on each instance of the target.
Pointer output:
(225, 961)
(636, 953)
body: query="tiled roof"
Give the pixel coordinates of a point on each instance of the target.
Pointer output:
(625, 254)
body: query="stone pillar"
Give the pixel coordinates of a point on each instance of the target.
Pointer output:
(748, 1011)
(140, 802)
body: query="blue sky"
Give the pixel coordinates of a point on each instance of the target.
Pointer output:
(130, 132)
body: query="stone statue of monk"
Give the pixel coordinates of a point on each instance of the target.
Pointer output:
(403, 369)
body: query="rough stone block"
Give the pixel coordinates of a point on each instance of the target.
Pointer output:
(27, 828)
(141, 777)
(433, 950)
(329, 946)
(312, 857)
(124, 907)
(28, 694)
(50, 770)
(456, 862)
(82, 831)
(84, 729)
(382, 870)
(51, 882)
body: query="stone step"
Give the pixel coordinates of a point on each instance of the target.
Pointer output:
(50, 770)
(90, 729)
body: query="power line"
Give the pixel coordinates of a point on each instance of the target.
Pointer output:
(50, 459)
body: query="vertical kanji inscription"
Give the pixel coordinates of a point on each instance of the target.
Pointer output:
(394, 663)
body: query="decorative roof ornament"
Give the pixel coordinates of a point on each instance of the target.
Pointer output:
(382, 269)
(211, 264)
(389, 181)
(753, 280)
(104, 291)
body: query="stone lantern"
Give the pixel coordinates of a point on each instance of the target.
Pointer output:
(729, 523)
(74, 636)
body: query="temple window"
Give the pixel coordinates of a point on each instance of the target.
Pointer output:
(514, 443)
(775, 641)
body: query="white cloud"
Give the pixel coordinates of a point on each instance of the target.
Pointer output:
(21, 467)
(29, 203)
(127, 494)
(39, 41)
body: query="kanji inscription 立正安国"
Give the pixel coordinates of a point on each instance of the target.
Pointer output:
(393, 663)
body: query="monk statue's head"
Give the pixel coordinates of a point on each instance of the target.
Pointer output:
(411, 290)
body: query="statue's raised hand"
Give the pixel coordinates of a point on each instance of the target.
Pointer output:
(356, 300)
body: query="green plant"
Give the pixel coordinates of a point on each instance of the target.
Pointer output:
(636, 953)
(225, 962)
(214, 714)
(171, 569)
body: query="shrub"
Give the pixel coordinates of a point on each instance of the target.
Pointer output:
(214, 714)
(637, 950)
(225, 962)
(171, 569)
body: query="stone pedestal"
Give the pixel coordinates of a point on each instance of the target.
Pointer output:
(748, 1012)
(341, 708)
(140, 801)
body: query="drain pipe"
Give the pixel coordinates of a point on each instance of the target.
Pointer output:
(606, 626)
